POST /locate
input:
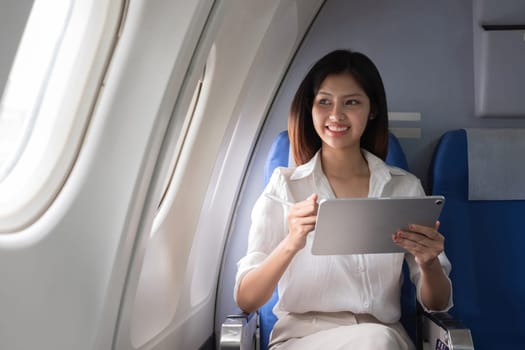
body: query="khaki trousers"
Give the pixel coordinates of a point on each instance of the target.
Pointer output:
(337, 330)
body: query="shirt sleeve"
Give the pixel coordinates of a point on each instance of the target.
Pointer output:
(415, 276)
(268, 227)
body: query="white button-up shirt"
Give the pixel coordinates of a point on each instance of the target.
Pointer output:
(362, 283)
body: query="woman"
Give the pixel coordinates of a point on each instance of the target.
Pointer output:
(338, 127)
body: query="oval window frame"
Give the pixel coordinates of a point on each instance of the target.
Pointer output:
(68, 98)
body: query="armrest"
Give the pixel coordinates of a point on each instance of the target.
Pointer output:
(239, 332)
(442, 331)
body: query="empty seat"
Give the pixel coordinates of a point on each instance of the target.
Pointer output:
(482, 176)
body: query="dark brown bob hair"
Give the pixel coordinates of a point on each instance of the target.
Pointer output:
(304, 140)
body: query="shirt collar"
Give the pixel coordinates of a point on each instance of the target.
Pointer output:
(380, 173)
(308, 168)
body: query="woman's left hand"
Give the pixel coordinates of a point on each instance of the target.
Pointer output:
(424, 242)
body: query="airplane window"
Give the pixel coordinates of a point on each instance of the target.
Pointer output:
(47, 99)
(30, 73)
(181, 130)
(154, 305)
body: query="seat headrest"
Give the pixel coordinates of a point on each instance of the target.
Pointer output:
(278, 156)
(496, 170)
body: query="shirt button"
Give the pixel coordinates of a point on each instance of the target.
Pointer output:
(361, 268)
(366, 304)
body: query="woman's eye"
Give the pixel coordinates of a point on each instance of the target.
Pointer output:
(324, 102)
(351, 102)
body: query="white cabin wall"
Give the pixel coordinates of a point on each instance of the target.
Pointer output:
(63, 276)
(73, 278)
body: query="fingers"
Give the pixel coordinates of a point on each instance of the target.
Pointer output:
(311, 200)
(302, 218)
(308, 207)
(424, 242)
(430, 232)
(413, 238)
(430, 239)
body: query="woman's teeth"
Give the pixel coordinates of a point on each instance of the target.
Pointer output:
(337, 128)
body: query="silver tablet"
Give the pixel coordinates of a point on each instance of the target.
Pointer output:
(366, 225)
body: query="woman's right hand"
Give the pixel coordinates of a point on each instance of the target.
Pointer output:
(301, 221)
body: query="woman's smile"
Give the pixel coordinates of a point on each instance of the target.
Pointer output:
(338, 129)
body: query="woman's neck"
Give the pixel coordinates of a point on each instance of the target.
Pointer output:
(344, 164)
(347, 172)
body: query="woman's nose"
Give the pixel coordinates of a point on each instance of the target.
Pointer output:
(336, 114)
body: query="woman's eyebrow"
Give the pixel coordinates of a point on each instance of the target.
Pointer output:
(326, 93)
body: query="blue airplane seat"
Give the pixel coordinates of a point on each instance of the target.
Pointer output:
(279, 155)
(484, 237)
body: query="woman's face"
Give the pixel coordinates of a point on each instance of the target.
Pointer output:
(340, 111)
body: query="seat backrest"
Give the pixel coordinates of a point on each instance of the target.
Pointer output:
(279, 155)
(484, 238)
